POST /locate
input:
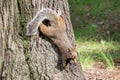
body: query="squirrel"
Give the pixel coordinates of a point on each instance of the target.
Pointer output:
(52, 25)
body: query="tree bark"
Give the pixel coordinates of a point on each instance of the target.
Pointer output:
(36, 57)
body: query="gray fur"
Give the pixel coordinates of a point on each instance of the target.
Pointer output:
(45, 13)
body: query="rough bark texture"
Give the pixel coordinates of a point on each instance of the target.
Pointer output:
(36, 57)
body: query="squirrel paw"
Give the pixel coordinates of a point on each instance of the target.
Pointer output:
(75, 61)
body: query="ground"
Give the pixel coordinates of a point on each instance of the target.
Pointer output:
(99, 72)
(102, 74)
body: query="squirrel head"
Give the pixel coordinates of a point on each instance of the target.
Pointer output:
(72, 51)
(72, 55)
(59, 26)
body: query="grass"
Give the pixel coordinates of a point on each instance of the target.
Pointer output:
(91, 52)
(96, 37)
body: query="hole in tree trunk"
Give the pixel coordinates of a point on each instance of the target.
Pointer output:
(46, 22)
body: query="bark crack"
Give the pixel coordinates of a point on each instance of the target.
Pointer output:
(2, 67)
(25, 45)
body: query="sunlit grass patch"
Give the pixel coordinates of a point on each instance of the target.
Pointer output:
(107, 59)
(86, 60)
(92, 52)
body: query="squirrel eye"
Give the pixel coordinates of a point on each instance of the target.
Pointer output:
(68, 50)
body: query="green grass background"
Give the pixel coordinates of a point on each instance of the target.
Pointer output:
(96, 25)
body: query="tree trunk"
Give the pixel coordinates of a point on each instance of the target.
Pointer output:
(36, 57)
